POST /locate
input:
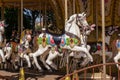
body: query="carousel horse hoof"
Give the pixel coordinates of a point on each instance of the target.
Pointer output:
(41, 71)
(29, 68)
(55, 71)
(3, 62)
(16, 67)
(90, 63)
(50, 70)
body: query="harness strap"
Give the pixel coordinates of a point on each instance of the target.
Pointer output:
(72, 35)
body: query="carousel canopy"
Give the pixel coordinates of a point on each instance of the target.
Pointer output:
(33, 4)
(91, 7)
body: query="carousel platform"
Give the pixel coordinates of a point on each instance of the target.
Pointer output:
(94, 76)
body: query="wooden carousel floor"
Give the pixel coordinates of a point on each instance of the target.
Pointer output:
(5, 75)
(95, 76)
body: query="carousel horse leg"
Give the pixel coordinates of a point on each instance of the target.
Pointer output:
(36, 63)
(2, 55)
(109, 54)
(8, 52)
(50, 58)
(47, 66)
(88, 47)
(39, 52)
(51, 64)
(116, 58)
(27, 59)
(85, 50)
(7, 56)
(85, 58)
(43, 57)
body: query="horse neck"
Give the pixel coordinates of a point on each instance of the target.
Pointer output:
(82, 38)
(108, 37)
(73, 28)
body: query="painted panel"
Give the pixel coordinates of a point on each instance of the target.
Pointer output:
(108, 12)
(117, 13)
(87, 6)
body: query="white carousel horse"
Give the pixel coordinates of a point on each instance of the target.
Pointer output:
(1, 40)
(8, 51)
(109, 32)
(53, 54)
(10, 60)
(72, 37)
(117, 57)
(23, 49)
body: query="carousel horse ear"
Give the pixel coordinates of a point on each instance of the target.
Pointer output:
(84, 14)
(2, 22)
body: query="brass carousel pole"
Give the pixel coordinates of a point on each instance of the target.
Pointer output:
(103, 38)
(45, 16)
(66, 17)
(21, 16)
(22, 75)
(40, 14)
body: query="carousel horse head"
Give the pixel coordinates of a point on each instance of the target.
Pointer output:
(28, 37)
(2, 26)
(110, 30)
(76, 23)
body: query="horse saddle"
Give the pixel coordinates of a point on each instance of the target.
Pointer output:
(57, 40)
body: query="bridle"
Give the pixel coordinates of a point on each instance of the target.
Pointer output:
(81, 27)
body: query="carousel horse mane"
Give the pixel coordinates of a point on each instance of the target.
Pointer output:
(55, 31)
